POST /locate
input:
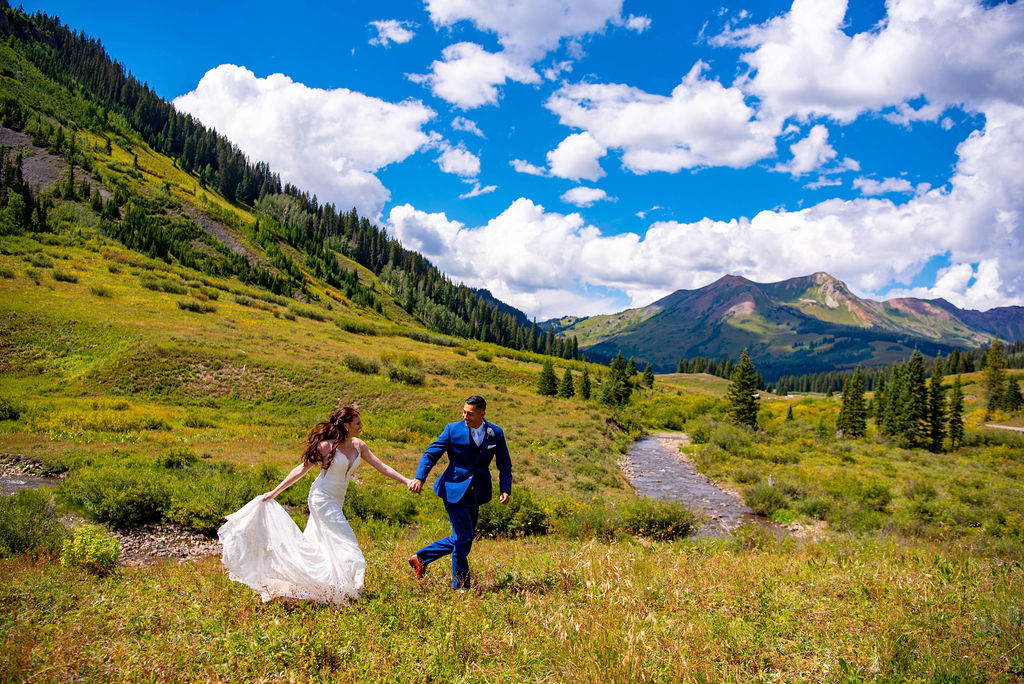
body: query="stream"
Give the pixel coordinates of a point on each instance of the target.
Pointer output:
(657, 469)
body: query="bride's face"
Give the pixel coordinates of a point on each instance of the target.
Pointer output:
(354, 426)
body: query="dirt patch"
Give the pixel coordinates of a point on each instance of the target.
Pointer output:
(39, 168)
(225, 235)
(150, 544)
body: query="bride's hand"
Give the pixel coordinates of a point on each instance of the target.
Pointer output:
(268, 496)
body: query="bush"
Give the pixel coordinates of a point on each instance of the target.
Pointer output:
(8, 411)
(354, 325)
(657, 518)
(431, 338)
(764, 499)
(64, 276)
(6, 273)
(207, 493)
(194, 420)
(196, 306)
(521, 516)
(814, 507)
(40, 260)
(485, 356)
(410, 376)
(121, 496)
(361, 364)
(700, 429)
(732, 438)
(29, 524)
(876, 496)
(177, 457)
(91, 548)
(379, 503)
(309, 312)
(100, 290)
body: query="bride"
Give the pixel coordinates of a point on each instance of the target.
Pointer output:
(264, 548)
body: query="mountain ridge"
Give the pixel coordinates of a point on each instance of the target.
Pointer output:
(804, 324)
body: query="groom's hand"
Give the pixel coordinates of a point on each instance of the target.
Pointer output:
(505, 496)
(415, 486)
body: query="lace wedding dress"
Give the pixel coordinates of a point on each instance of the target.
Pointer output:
(265, 550)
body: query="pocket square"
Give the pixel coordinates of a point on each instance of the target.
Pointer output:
(492, 446)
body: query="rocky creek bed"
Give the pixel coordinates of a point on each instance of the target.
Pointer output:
(657, 468)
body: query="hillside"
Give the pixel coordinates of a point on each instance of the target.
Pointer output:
(800, 325)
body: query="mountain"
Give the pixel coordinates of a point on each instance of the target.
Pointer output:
(801, 325)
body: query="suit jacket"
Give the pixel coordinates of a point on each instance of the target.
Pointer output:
(468, 464)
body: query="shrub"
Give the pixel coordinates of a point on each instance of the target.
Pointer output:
(431, 338)
(410, 376)
(361, 364)
(29, 524)
(379, 503)
(162, 285)
(8, 410)
(100, 290)
(121, 496)
(765, 499)
(578, 520)
(700, 429)
(40, 260)
(309, 312)
(255, 303)
(876, 496)
(657, 518)
(521, 516)
(732, 438)
(64, 276)
(177, 457)
(485, 356)
(91, 548)
(195, 420)
(196, 306)
(407, 359)
(6, 273)
(814, 507)
(354, 325)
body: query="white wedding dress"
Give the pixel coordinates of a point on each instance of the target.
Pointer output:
(265, 550)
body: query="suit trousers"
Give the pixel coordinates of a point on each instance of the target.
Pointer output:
(463, 516)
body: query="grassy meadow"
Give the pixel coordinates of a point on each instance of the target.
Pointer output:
(166, 395)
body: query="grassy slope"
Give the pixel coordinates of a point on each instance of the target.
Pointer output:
(103, 368)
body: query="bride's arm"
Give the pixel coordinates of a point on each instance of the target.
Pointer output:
(384, 468)
(292, 477)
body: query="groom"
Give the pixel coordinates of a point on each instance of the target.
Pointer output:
(464, 486)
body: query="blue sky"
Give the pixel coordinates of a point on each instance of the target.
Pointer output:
(581, 157)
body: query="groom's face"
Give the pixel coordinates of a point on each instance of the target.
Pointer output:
(473, 415)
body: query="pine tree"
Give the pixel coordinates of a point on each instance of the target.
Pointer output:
(584, 387)
(622, 384)
(742, 392)
(853, 415)
(1012, 400)
(789, 412)
(649, 376)
(681, 368)
(631, 369)
(914, 407)
(894, 389)
(547, 385)
(956, 415)
(566, 388)
(936, 410)
(995, 377)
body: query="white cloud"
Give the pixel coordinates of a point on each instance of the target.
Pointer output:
(638, 24)
(702, 123)
(329, 142)
(461, 123)
(555, 71)
(809, 154)
(584, 197)
(949, 51)
(523, 166)
(870, 186)
(577, 157)
(963, 285)
(478, 190)
(459, 161)
(391, 31)
(529, 29)
(469, 76)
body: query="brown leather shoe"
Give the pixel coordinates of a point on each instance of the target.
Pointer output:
(417, 566)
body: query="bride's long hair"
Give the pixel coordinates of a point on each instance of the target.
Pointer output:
(333, 430)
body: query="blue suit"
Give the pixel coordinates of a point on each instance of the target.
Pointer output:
(463, 487)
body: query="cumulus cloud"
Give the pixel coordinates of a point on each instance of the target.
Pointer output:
(391, 31)
(638, 24)
(330, 142)
(584, 197)
(701, 123)
(870, 186)
(469, 76)
(577, 157)
(529, 29)
(951, 52)
(526, 167)
(810, 153)
(461, 123)
(459, 161)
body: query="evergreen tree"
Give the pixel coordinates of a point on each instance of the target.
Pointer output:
(789, 412)
(617, 386)
(853, 414)
(1012, 400)
(894, 390)
(681, 368)
(914, 406)
(742, 392)
(956, 415)
(879, 401)
(994, 379)
(584, 386)
(547, 385)
(649, 376)
(631, 369)
(936, 410)
(566, 389)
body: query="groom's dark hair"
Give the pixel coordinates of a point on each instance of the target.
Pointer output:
(477, 401)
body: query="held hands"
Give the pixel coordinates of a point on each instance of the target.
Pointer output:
(415, 486)
(505, 496)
